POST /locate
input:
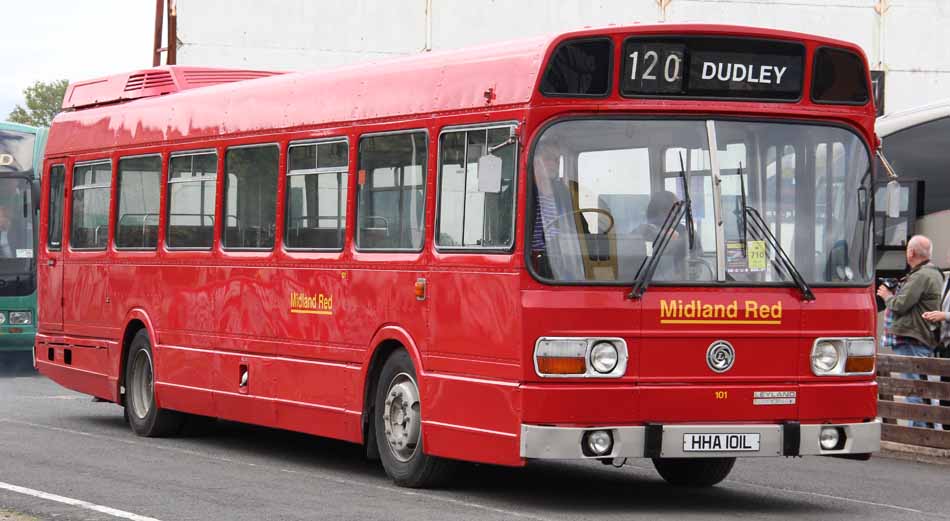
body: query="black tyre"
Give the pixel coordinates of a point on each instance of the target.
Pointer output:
(397, 423)
(144, 416)
(699, 472)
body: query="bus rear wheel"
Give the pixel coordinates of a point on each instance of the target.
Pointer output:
(397, 423)
(699, 472)
(143, 415)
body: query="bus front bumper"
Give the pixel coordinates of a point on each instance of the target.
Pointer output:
(701, 441)
(16, 338)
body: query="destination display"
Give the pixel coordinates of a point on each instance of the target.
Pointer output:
(712, 68)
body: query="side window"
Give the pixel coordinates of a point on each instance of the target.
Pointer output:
(476, 211)
(391, 192)
(54, 217)
(250, 197)
(316, 195)
(139, 181)
(89, 222)
(191, 180)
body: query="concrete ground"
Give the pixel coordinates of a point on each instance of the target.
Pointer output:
(65, 457)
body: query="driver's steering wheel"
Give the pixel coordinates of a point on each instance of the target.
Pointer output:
(695, 262)
(583, 211)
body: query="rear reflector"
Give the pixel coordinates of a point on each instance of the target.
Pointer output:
(859, 364)
(561, 365)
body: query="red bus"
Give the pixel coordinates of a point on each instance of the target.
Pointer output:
(629, 242)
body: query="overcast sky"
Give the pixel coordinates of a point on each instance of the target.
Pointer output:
(73, 39)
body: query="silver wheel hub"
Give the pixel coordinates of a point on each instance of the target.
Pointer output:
(401, 419)
(141, 388)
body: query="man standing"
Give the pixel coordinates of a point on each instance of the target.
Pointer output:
(919, 293)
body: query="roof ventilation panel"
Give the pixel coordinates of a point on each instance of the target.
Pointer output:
(150, 83)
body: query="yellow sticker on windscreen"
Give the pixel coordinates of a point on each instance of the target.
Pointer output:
(756, 253)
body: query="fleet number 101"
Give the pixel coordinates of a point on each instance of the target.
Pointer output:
(671, 68)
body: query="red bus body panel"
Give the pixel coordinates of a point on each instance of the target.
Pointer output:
(211, 313)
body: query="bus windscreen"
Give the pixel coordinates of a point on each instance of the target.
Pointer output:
(16, 151)
(16, 236)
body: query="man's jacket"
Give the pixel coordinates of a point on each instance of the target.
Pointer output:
(920, 292)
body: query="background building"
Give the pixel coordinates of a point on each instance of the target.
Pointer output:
(904, 38)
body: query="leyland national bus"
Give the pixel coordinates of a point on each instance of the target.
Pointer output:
(21, 157)
(631, 242)
(915, 142)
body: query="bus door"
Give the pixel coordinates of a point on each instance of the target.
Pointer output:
(49, 267)
(477, 185)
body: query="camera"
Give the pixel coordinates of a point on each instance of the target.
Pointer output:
(888, 283)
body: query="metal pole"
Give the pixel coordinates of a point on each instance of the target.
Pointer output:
(172, 56)
(157, 42)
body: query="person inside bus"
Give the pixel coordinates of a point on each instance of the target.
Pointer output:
(942, 318)
(673, 263)
(10, 239)
(554, 243)
(918, 294)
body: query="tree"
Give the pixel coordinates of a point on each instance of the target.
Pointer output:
(43, 101)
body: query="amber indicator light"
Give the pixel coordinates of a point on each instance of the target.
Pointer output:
(859, 364)
(561, 365)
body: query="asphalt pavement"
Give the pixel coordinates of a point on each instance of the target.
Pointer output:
(65, 457)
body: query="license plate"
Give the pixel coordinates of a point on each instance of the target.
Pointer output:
(721, 442)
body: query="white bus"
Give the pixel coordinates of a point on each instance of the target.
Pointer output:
(916, 142)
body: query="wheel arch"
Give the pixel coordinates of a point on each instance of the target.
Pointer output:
(135, 320)
(388, 339)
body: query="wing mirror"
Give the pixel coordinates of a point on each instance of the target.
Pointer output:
(490, 168)
(489, 174)
(892, 191)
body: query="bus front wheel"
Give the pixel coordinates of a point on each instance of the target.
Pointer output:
(397, 421)
(699, 472)
(144, 416)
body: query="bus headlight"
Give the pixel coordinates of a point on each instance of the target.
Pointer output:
(843, 356)
(604, 357)
(21, 318)
(824, 357)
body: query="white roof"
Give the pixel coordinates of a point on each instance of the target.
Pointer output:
(897, 121)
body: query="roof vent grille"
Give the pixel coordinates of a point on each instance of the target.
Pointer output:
(149, 80)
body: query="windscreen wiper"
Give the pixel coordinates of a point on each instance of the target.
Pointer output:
(762, 229)
(690, 226)
(663, 237)
(744, 226)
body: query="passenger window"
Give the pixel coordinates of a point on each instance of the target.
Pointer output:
(139, 181)
(475, 212)
(316, 195)
(250, 202)
(391, 192)
(54, 221)
(191, 183)
(89, 228)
